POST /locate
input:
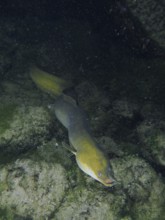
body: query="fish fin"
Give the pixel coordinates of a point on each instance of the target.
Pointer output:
(47, 82)
(69, 148)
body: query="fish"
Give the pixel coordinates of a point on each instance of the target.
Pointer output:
(89, 156)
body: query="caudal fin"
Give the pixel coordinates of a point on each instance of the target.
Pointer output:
(47, 82)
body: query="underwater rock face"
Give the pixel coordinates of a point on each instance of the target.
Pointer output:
(88, 204)
(153, 139)
(32, 188)
(39, 187)
(143, 187)
(151, 134)
(24, 128)
(124, 108)
(150, 13)
(24, 123)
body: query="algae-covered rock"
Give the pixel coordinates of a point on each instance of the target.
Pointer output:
(24, 123)
(95, 104)
(151, 134)
(110, 146)
(39, 187)
(31, 188)
(22, 127)
(39, 190)
(153, 140)
(88, 203)
(150, 13)
(124, 108)
(137, 195)
(143, 187)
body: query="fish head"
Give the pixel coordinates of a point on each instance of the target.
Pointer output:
(97, 166)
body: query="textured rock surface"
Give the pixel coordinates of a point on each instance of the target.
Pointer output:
(32, 188)
(46, 183)
(153, 139)
(151, 134)
(24, 122)
(151, 14)
(38, 187)
(91, 205)
(143, 187)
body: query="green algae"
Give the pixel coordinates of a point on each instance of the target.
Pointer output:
(6, 214)
(3, 186)
(7, 112)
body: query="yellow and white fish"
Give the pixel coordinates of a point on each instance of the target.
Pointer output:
(89, 156)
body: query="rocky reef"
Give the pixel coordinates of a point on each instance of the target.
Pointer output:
(46, 183)
(123, 97)
(151, 134)
(41, 185)
(23, 126)
(150, 13)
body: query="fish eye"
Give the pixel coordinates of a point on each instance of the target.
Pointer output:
(99, 173)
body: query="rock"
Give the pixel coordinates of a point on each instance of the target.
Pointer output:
(151, 15)
(89, 204)
(143, 187)
(124, 108)
(24, 123)
(153, 139)
(95, 105)
(110, 146)
(151, 134)
(38, 186)
(23, 128)
(32, 188)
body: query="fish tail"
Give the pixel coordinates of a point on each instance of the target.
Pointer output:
(47, 82)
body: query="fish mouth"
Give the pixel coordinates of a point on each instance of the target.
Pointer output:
(109, 182)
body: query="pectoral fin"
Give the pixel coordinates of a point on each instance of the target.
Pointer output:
(70, 148)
